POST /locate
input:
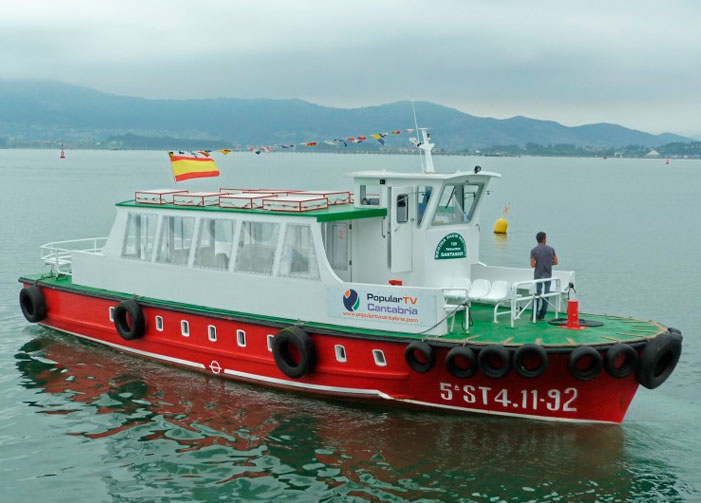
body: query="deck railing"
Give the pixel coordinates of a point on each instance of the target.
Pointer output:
(59, 254)
(520, 302)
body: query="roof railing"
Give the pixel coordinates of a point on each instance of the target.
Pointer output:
(58, 255)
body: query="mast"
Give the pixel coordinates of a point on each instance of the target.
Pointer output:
(426, 146)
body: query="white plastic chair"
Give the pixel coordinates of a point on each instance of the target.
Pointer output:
(457, 292)
(500, 290)
(480, 288)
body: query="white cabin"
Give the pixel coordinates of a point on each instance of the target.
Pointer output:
(399, 254)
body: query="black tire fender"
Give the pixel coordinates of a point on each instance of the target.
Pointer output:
(594, 368)
(32, 303)
(129, 320)
(526, 351)
(456, 370)
(494, 352)
(426, 352)
(294, 336)
(630, 359)
(658, 359)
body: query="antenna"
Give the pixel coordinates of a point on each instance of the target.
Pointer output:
(416, 126)
(423, 143)
(413, 109)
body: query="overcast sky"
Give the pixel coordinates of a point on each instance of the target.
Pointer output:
(635, 63)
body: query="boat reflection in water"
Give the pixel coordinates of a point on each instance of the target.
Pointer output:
(184, 433)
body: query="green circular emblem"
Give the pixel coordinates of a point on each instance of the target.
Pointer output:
(451, 246)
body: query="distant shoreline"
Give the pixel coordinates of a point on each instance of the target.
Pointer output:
(307, 150)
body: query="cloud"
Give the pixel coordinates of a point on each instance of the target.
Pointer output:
(635, 64)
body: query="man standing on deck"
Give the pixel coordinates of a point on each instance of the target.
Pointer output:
(543, 258)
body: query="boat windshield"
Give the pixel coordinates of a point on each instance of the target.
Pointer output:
(457, 204)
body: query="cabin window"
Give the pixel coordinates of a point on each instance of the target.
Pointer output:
(336, 240)
(112, 314)
(215, 244)
(185, 328)
(298, 258)
(402, 208)
(340, 353)
(139, 236)
(424, 196)
(379, 357)
(176, 240)
(370, 195)
(159, 323)
(270, 338)
(256, 249)
(241, 338)
(457, 203)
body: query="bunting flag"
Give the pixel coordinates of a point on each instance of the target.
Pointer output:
(201, 157)
(378, 137)
(185, 168)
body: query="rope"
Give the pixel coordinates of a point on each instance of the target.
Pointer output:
(462, 304)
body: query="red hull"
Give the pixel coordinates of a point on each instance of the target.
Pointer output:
(555, 395)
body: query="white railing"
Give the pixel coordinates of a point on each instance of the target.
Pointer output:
(521, 302)
(59, 254)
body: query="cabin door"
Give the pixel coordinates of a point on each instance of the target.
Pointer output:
(338, 249)
(400, 229)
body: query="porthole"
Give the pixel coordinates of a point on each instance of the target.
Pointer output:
(241, 338)
(159, 323)
(270, 342)
(379, 358)
(112, 314)
(212, 333)
(340, 353)
(185, 328)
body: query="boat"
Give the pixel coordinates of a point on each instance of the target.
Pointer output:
(376, 293)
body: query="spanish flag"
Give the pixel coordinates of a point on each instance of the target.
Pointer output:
(185, 167)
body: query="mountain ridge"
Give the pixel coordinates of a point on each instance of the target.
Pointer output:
(54, 111)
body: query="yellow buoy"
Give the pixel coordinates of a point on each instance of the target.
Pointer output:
(501, 224)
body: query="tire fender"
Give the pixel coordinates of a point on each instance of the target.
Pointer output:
(427, 353)
(298, 338)
(489, 353)
(129, 320)
(32, 303)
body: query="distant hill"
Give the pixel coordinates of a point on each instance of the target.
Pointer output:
(50, 111)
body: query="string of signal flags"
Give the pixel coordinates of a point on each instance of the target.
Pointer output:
(199, 164)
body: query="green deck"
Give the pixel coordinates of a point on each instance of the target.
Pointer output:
(330, 214)
(482, 332)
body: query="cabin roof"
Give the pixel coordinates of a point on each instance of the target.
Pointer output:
(330, 214)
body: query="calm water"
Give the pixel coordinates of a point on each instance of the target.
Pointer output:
(81, 423)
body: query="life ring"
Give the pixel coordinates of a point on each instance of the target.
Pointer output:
(425, 362)
(592, 370)
(290, 364)
(32, 303)
(454, 359)
(658, 359)
(614, 354)
(129, 320)
(530, 352)
(489, 355)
